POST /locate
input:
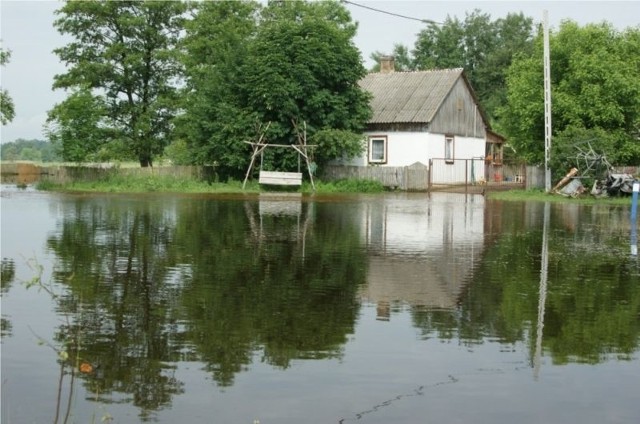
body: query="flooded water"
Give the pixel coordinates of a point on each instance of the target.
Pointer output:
(395, 308)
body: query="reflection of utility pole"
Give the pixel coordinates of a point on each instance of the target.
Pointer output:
(634, 214)
(544, 265)
(547, 104)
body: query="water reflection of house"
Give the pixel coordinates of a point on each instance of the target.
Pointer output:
(422, 249)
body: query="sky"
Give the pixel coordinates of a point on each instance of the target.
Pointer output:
(26, 28)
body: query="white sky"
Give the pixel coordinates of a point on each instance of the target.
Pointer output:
(26, 29)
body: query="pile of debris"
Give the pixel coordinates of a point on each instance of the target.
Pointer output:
(613, 185)
(608, 183)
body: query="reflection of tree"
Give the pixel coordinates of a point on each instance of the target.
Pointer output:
(148, 286)
(7, 275)
(251, 291)
(585, 319)
(115, 258)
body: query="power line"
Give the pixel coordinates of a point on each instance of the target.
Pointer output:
(426, 21)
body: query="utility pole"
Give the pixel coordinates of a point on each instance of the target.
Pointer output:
(547, 104)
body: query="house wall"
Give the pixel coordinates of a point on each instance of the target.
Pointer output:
(407, 148)
(459, 114)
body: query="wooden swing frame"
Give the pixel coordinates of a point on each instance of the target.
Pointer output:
(277, 177)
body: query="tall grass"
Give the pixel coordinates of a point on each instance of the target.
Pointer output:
(115, 183)
(537, 195)
(148, 184)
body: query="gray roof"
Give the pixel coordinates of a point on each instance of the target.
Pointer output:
(408, 97)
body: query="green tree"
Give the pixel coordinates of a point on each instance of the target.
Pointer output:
(215, 122)
(7, 111)
(78, 126)
(39, 150)
(9, 152)
(283, 63)
(29, 153)
(482, 47)
(303, 65)
(403, 60)
(125, 51)
(594, 88)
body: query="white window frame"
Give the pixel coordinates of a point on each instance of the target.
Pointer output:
(449, 149)
(378, 138)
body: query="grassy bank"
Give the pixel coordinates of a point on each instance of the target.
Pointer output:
(542, 196)
(170, 184)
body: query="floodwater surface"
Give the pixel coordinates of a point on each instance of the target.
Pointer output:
(395, 308)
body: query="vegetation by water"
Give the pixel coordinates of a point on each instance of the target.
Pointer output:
(537, 195)
(169, 184)
(199, 103)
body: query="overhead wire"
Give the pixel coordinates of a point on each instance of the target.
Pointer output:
(397, 15)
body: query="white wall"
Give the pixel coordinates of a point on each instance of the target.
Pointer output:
(407, 148)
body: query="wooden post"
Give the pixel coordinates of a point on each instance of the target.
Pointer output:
(566, 179)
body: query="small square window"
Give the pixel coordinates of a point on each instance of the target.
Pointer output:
(377, 149)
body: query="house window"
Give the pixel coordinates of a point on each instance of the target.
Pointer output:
(378, 149)
(448, 149)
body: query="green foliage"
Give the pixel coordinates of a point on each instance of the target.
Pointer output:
(35, 150)
(303, 65)
(123, 182)
(178, 152)
(484, 48)
(403, 61)
(595, 92)
(7, 110)
(333, 143)
(214, 123)
(78, 126)
(538, 195)
(126, 51)
(287, 62)
(349, 186)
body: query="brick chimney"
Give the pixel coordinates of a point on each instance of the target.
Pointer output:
(387, 64)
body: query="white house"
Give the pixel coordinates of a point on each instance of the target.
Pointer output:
(427, 117)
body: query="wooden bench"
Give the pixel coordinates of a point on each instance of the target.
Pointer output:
(280, 178)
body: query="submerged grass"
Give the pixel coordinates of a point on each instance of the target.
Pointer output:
(537, 195)
(170, 184)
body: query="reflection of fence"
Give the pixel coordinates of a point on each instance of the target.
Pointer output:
(20, 173)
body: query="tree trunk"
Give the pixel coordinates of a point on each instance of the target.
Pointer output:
(145, 162)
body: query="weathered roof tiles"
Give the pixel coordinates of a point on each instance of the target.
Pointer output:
(408, 97)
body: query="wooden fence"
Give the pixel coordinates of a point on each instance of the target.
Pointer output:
(29, 173)
(441, 175)
(409, 178)
(417, 177)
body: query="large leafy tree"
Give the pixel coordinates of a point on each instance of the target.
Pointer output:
(215, 122)
(283, 63)
(125, 51)
(7, 111)
(595, 93)
(483, 47)
(78, 128)
(304, 66)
